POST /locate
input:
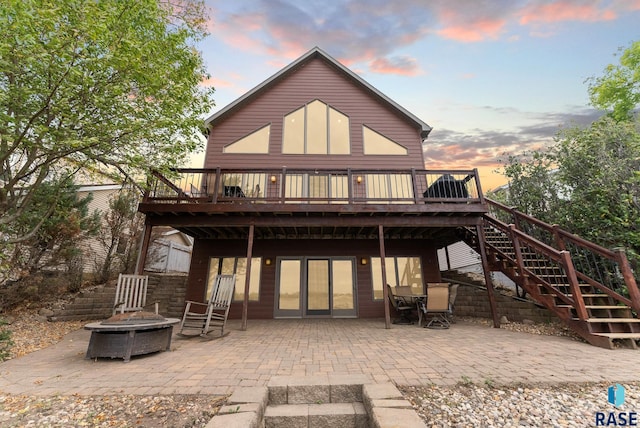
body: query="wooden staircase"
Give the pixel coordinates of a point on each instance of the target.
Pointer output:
(591, 289)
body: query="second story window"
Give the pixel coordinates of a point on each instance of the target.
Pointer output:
(316, 129)
(256, 142)
(377, 144)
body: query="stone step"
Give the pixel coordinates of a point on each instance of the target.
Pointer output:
(379, 405)
(345, 415)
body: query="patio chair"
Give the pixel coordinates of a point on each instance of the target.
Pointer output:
(402, 307)
(131, 294)
(204, 317)
(438, 305)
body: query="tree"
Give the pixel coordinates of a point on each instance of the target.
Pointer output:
(588, 183)
(109, 86)
(57, 242)
(533, 187)
(119, 234)
(601, 167)
(619, 89)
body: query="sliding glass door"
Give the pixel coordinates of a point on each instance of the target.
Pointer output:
(315, 286)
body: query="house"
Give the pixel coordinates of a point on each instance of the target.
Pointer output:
(314, 193)
(461, 257)
(170, 249)
(94, 252)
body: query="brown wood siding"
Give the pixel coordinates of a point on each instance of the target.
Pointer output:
(315, 80)
(263, 309)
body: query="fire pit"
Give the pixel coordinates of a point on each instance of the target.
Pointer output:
(131, 333)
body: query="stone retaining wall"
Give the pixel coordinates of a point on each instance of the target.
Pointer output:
(167, 289)
(474, 301)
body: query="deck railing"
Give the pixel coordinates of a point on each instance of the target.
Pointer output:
(324, 186)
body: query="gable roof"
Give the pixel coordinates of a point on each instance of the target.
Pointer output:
(312, 54)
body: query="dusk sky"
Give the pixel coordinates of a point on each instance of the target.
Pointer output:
(490, 76)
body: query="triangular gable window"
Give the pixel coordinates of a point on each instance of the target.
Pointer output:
(377, 144)
(256, 142)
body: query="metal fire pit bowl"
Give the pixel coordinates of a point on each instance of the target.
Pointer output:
(131, 333)
(139, 317)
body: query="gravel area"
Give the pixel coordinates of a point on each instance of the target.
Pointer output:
(466, 404)
(487, 405)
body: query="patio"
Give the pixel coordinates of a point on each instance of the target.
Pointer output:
(406, 355)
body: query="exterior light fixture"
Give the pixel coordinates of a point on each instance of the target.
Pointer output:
(363, 261)
(267, 261)
(273, 178)
(359, 179)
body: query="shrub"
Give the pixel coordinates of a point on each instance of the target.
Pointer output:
(5, 341)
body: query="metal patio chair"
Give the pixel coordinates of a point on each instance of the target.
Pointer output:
(402, 307)
(438, 307)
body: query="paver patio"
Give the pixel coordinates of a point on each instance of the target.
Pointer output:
(405, 355)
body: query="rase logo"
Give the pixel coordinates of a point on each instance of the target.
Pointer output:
(615, 396)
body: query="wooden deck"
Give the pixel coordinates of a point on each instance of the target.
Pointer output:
(410, 204)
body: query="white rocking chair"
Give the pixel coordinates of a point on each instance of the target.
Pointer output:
(131, 294)
(204, 317)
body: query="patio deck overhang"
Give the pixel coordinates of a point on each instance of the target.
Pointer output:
(272, 221)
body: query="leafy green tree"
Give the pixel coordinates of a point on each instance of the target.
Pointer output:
(601, 167)
(533, 187)
(109, 86)
(57, 243)
(588, 183)
(618, 90)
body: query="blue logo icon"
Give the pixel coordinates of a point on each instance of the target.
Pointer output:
(616, 395)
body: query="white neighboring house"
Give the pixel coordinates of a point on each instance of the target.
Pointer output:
(170, 251)
(465, 259)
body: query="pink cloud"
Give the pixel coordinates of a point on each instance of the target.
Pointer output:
(404, 66)
(239, 31)
(474, 31)
(565, 11)
(216, 83)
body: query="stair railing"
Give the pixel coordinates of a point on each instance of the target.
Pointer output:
(608, 271)
(529, 257)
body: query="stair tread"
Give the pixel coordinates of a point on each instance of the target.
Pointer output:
(632, 320)
(596, 307)
(619, 335)
(606, 307)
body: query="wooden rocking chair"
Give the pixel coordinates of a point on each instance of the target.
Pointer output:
(204, 317)
(131, 294)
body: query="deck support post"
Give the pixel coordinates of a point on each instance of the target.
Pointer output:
(487, 275)
(247, 280)
(385, 291)
(144, 248)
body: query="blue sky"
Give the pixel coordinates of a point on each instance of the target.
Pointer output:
(490, 76)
